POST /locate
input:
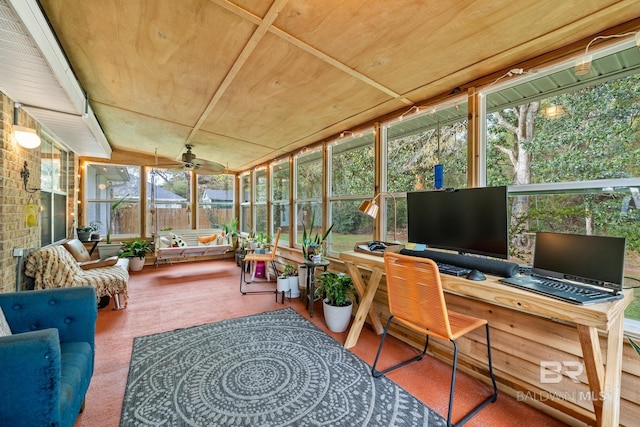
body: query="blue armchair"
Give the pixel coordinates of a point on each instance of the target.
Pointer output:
(47, 363)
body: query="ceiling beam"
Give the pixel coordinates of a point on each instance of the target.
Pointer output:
(248, 49)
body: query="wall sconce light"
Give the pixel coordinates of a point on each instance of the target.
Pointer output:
(25, 136)
(583, 63)
(369, 207)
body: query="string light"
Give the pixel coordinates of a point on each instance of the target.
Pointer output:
(583, 63)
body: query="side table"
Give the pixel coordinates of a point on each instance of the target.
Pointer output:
(93, 243)
(311, 272)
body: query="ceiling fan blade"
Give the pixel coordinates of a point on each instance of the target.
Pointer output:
(205, 167)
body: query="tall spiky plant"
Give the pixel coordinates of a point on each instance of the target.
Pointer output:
(309, 239)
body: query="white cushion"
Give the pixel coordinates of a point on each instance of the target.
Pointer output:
(165, 242)
(177, 241)
(5, 331)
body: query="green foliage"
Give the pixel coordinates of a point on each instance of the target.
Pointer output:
(135, 249)
(290, 270)
(312, 240)
(335, 288)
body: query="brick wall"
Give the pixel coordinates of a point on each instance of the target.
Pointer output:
(14, 232)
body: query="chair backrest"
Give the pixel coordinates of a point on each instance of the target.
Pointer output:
(415, 294)
(275, 244)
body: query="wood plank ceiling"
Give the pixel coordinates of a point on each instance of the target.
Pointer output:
(247, 81)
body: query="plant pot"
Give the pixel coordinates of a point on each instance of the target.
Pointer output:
(105, 250)
(293, 287)
(84, 235)
(136, 263)
(337, 318)
(283, 283)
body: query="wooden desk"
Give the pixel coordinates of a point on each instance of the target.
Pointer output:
(604, 380)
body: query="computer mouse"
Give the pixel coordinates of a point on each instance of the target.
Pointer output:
(476, 275)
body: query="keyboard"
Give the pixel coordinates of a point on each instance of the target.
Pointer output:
(561, 290)
(453, 270)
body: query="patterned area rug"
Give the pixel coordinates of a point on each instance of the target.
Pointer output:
(268, 369)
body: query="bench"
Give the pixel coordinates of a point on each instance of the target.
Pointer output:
(190, 244)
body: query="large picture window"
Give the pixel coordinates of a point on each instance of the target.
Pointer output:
(308, 192)
(412, 147)
(112, 194)
(280, 186)
(215, 200)
(351, 167)
(569, 148)
(260, 201)
(54, 181)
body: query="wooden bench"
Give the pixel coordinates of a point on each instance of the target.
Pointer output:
(193, 247)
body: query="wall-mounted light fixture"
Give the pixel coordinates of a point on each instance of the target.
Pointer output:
(25, 136)
(583, 62)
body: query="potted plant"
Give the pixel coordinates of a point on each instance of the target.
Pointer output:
(95, 229)
(312, 244)
(136, 250)
(84, 233)
(335, 289)
(291, 272)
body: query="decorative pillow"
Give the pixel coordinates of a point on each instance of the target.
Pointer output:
(177, 241)
(207, 240)
(107, 262)
(77, 249)
(5, 330)
(165, 242)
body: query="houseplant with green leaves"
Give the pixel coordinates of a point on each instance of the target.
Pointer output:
(312, 243)
(137, 251)
(335, 290)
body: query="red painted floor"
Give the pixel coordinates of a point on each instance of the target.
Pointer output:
(189, 294)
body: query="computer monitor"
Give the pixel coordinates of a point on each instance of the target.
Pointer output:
(470, 220)
(596, 260)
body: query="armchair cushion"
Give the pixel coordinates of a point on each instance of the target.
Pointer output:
(47, 364)
(77, 249)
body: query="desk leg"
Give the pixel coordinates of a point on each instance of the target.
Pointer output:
(367, 293)
(604, 380)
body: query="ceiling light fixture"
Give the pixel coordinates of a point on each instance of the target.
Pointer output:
(583, 62)
(25, 136)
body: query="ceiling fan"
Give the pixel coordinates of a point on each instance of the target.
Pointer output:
(200, 166)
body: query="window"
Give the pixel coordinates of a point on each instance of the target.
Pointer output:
(112, 194)
(413, 146)
(245, 203)
(280, 186)
(215, 200)
(168, 200)
(260, 201)
(308, 191)
(54, 167)
(351, 172)
(569, 148)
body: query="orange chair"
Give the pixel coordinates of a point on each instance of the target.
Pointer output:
(416, 300)
(269, 258)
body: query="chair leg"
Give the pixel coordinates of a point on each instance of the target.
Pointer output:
(491, 399)
(243, 279)
(376, 373)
